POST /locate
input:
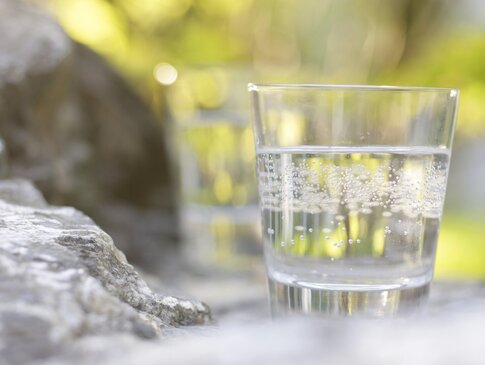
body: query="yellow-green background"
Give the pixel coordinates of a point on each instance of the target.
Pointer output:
(403, 42)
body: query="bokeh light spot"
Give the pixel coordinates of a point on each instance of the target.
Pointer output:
(165, 73)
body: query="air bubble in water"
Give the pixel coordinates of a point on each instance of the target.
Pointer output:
(310, 230)
(270, 231)
(299, 228)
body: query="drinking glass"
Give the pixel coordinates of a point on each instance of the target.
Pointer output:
(352, 183)
(214, 146)
(219, 198)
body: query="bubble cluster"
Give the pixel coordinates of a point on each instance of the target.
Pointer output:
(412, 183)
(361, 203)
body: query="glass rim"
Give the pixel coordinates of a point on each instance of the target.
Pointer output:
(351, 87)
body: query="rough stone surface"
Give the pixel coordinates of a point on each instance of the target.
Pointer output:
(450, 333)
(62, 278)
(73, 126)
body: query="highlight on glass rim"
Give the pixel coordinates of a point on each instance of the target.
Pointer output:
(290, 176)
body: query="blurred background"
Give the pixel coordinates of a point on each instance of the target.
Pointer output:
(190, 60)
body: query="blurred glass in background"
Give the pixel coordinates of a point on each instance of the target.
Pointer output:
(401, 42)
(219, 215)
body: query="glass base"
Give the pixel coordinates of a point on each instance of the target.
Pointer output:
(293, 300)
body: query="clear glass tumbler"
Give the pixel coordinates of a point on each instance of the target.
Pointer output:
(352, 182)
(215, 152)
(219, 210)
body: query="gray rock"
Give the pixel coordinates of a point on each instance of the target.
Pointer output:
(73, 126)
(445, 338)
(3, 160)
(62, 278)
(37, 52)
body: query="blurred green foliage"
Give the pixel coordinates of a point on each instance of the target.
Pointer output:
(457, 62)
(395, 42)
(461, 249)
(407, 42)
